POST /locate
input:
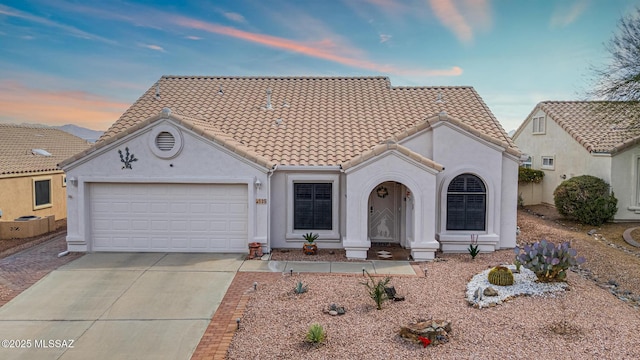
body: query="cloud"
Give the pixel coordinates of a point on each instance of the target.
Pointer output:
(153, 47)
(325, 49)
(384, 38)
(463, 20)
(564, 16)
(191, 37)
(235, 17)
(11, 12)
(57, 107)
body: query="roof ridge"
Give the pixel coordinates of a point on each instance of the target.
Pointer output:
(275, 77)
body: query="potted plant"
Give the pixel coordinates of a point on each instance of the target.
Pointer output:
(309, 247)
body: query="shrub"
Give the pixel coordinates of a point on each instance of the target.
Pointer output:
(586, 199)
(316, 334)
(548, 261)
(528, 175)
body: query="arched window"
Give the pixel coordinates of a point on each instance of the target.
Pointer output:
(466, 203)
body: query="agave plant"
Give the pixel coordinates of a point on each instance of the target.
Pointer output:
(547, 260)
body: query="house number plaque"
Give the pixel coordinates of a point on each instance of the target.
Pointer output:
(261, 201)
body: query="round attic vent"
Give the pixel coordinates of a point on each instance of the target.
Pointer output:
(165, 141)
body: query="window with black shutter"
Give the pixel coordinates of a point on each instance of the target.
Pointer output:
(466, 203)
(312, 206)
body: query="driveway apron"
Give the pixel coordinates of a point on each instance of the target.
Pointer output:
(118, 306)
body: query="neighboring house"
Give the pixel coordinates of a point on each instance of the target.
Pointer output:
(572, 138)
(31, 183)
(209, 164)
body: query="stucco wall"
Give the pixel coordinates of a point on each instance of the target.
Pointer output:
(570, 158)
(16, 196)
(461, 153)
(282, 234)
(199, 161)
(625, 183)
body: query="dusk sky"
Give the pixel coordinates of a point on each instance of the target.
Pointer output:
(86, 62)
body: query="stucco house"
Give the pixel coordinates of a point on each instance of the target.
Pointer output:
(210, 164)
(31, 184)
(571, 138)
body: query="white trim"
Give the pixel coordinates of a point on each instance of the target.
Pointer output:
(33, 192)
(309, 168)
(398, 155)
(334, 179)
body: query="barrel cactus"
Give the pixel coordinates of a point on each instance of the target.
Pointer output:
(501, 276)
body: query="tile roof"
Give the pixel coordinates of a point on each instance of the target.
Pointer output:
(599, 129)
(312, 120)
(17, 143)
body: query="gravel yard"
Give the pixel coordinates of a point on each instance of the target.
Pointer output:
(585, 322)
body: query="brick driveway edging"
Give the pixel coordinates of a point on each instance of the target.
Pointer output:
(23, 269)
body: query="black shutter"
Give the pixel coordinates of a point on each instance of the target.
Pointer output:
(312, 206)
(322, 207)
(466, 203)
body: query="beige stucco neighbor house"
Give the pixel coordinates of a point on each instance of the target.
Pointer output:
(572, 138)
(31, 184)
(210, 164)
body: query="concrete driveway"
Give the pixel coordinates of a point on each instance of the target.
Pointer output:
(118, 306)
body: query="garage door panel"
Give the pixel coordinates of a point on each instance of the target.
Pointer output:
(139, 225)
(169, 217)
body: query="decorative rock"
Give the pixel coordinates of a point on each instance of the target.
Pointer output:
(591, 232)
(437, 331)
(333, 313)
(490, 292)
(477, 295)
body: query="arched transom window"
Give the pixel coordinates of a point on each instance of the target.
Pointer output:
(466, 203)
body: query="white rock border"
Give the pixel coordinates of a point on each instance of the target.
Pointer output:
(525, 283)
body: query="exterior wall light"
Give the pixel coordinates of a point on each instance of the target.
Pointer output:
(258, 184)
(73, 181)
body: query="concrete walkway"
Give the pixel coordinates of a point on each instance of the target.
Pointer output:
(138, 305)
(380, 267)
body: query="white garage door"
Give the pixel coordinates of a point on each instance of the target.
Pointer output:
(168, 217)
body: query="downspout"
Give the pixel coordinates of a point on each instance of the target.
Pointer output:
(269, 174)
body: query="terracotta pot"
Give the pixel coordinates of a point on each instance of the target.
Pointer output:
(310, 249)
(255, 250)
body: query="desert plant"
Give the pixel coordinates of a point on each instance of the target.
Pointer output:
(300, 288)
(473, 247)
(586, 199)
(518, 264)
(310, 237)
(376, 289)
(501, 276)
(316, 334)
(548, 261)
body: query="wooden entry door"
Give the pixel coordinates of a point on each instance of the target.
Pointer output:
(384, 213)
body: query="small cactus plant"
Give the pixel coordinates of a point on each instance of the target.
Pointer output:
(316, 334)
(300, 288)
(548, 261)
(501, 276)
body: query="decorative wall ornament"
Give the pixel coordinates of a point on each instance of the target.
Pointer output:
(127, 159)
(382, 191)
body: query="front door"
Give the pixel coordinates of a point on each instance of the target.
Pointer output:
(384, 213)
